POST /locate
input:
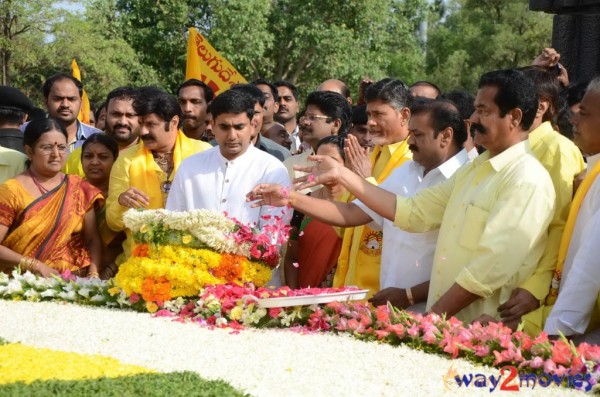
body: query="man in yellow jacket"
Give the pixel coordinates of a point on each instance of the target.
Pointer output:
(388, 102)
(141, 177)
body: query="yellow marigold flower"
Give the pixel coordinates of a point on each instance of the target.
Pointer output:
(186, 239)
(151, 307)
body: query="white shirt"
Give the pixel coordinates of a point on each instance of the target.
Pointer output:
(207, 180)
(407, 258)
(580, 282)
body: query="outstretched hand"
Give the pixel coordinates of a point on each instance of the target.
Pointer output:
(269, 194)
(324, 171)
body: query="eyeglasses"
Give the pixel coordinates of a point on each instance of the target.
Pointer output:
(313, 117)
(49, 149)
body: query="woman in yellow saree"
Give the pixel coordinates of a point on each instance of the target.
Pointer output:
(47, 219)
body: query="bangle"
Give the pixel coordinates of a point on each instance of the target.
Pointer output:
(28, 264)
(93, 274)
(411, 300)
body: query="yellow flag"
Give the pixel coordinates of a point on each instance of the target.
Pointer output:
(84, 112)
(206, 64)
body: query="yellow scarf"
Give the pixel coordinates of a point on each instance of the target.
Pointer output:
(143, 170)
(356, 267)
(568, 232)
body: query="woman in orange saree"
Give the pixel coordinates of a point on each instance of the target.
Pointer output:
(47, 220)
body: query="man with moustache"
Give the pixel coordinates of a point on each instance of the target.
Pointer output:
(493, 213)
(62, 95)
(194, 97)
(142, 175)
(437, 134)
(288, 109)
(326, 113)
(121, 123)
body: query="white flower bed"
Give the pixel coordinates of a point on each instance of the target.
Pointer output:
(260, 362)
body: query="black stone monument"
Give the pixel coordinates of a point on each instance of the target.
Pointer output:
(575, 34)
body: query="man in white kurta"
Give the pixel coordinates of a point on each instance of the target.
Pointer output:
(211, 181)
(407, 258)
(220, 178)
(580, 282)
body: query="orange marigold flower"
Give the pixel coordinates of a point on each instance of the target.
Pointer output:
(230, 267)
(140, 250)
(154, 290)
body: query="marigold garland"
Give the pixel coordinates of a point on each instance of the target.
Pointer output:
(171, 271)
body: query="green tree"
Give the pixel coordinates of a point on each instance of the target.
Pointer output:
(303, 41)
(482, 35)
(18, 18)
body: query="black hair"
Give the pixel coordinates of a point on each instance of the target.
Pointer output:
(47, 87)
(154, 100)
(444, 114)
(122, 93)
(12, 116)
(99, 110)
(390, 91)
(333, 105)
(547, 87)
(273, 89)
(359, 115)
(574, 92)
(36, 113)
(464, 101)
(252, 90)
(423, 83)
(337, 141)
(103, 139)
(515, 91)
(283, 83)
(208, 92)
(233, 101)
(38, 127)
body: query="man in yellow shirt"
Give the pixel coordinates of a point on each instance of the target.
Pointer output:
(563, 161)
(388, 113)
(121, 123)
(141, 177)
(493, 214)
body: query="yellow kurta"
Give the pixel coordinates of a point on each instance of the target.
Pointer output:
(135, 167)
(563, 160)
(360, 257)
(493, 216)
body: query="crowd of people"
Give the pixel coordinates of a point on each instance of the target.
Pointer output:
(481, 207)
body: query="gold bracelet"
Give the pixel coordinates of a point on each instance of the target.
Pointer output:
(93, 274)
(411, 300)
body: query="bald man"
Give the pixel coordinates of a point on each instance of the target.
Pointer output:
(338, 86)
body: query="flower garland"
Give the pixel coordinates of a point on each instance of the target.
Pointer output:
(159, 273)
(229, 305)
(178, 253)
(211, 230)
